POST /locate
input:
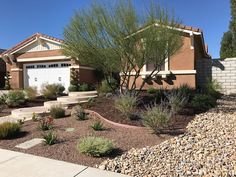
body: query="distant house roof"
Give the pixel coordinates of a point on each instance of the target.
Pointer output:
(31, 39)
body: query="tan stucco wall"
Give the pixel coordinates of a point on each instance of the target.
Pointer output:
(184, 58)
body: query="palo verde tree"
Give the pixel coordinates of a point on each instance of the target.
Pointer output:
(109, 38)
(228, 42)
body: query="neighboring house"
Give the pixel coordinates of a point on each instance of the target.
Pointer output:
(180, 68)
(2, 70)
(39, 60)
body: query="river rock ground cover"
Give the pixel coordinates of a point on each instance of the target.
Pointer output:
(208, 148)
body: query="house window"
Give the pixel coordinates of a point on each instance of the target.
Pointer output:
(65, 65)
(30, 66)
(53, 66)
(151, 67)
(41, 66)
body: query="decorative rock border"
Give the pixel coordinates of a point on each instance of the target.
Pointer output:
(96, 115)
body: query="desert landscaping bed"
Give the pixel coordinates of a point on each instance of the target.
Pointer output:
(206, 149)
(106, 108)
(123, 138)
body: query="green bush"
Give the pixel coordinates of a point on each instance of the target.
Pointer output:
(45, 124)
(97, 126)
(151, 90)
(95, 146)
(213, 88)
(9, 130)
(31, 93)
(57, 112)
(185, 90)
(73, 88)
(52, 91)
(106, 88)
(3, 98)
(49, 138)
(84, 87)
(15, 98)
(202, 102)
(126, 103)
(176, 100)
(78, 113)
(157, 118)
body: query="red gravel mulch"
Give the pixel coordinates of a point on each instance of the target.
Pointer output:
(105, 107)
(65, 149)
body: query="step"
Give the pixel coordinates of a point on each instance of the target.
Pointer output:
(87, 93)
(64, 104)
(74, 99)
(27, 113)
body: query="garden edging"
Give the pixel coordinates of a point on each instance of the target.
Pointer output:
(93, 113)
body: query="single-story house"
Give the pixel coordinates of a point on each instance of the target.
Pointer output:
(2, 70)
(38, 60)
(180, 68)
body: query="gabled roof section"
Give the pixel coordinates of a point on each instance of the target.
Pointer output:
(30, 40)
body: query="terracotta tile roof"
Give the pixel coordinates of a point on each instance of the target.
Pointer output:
(30, 39)
(185, 27)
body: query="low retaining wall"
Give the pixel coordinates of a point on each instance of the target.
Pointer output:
(222, 70)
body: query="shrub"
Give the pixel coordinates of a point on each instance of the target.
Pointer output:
(57, 112)
(157, 118)
(3, 98)
(213, 88)
(34, 117)
(202, 102)
(95, 146)
(30, 93)
(15, 98)
(78, 113)
(73, 88)
(176, 100)
(52, 91)
(151, 90)
(46, 124)
(90, 102)
(21, 121)
(84, 87)
(106, 88)
(126, 103)
(9, 130)
(185, 90)
(49, 138)
(160, 95)
(97, 126)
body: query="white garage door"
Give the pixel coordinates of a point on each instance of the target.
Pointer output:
(37, 74)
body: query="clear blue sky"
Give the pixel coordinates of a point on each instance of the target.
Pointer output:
(21, 18)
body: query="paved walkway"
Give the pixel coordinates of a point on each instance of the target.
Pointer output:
(16, 164)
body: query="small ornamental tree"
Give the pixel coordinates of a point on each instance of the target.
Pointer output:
(7, 81)
(228, 42)
(109, 38)
(74, 80)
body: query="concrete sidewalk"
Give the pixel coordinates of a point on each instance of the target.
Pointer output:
(16, 164)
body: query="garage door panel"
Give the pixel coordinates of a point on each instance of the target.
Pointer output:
(37, 76)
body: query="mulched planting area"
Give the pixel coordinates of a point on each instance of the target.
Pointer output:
(65, 149)
(105, 107)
